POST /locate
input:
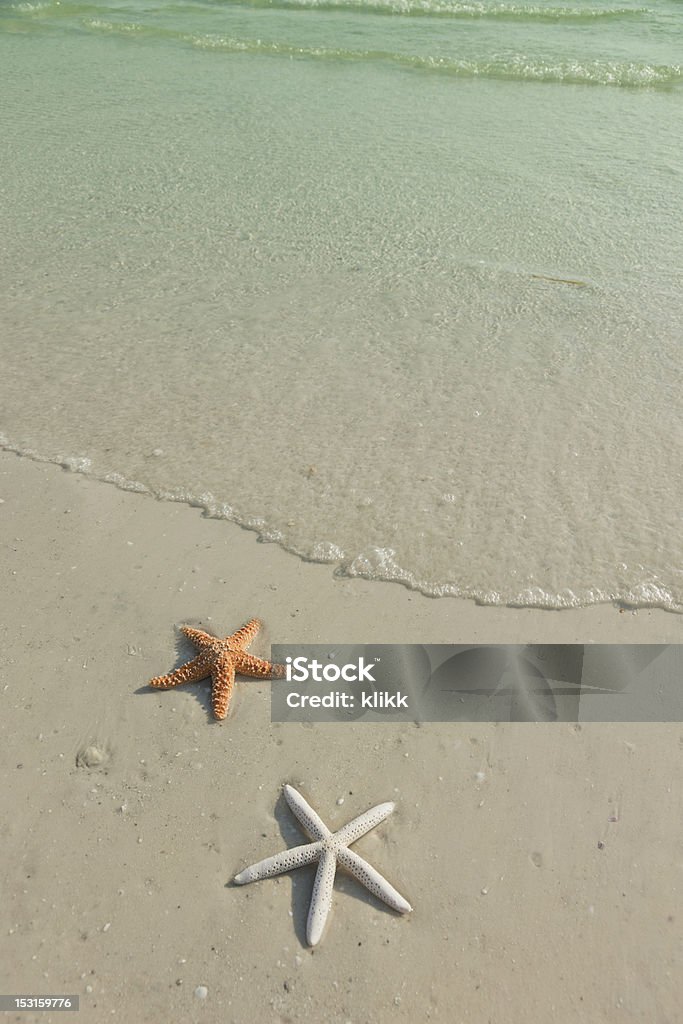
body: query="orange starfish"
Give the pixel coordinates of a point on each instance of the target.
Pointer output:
(220, 659)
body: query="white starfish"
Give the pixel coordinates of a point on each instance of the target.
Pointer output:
(329, 848)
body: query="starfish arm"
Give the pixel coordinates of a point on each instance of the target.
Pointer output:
(372, 880)
(321, 901)
(312, 822)
(363, 823)
(275, 865)
(244, 636)
(222, 682)
(198, 668)
(248, 665)
(198, 637)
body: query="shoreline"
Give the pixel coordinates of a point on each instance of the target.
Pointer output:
(537, 857)
(438, 616)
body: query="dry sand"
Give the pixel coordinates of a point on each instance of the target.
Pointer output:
(544, 862)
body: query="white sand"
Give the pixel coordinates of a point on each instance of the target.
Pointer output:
(116, 875)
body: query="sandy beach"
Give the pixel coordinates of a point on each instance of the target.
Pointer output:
(543, 862)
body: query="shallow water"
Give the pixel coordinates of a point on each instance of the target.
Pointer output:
(396, 284)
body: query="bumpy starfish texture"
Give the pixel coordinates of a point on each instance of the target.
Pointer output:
(220, 659)
(329, 849)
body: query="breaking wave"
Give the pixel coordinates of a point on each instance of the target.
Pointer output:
(515, 67)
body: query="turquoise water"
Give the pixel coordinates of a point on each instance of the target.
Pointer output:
(397, 284)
